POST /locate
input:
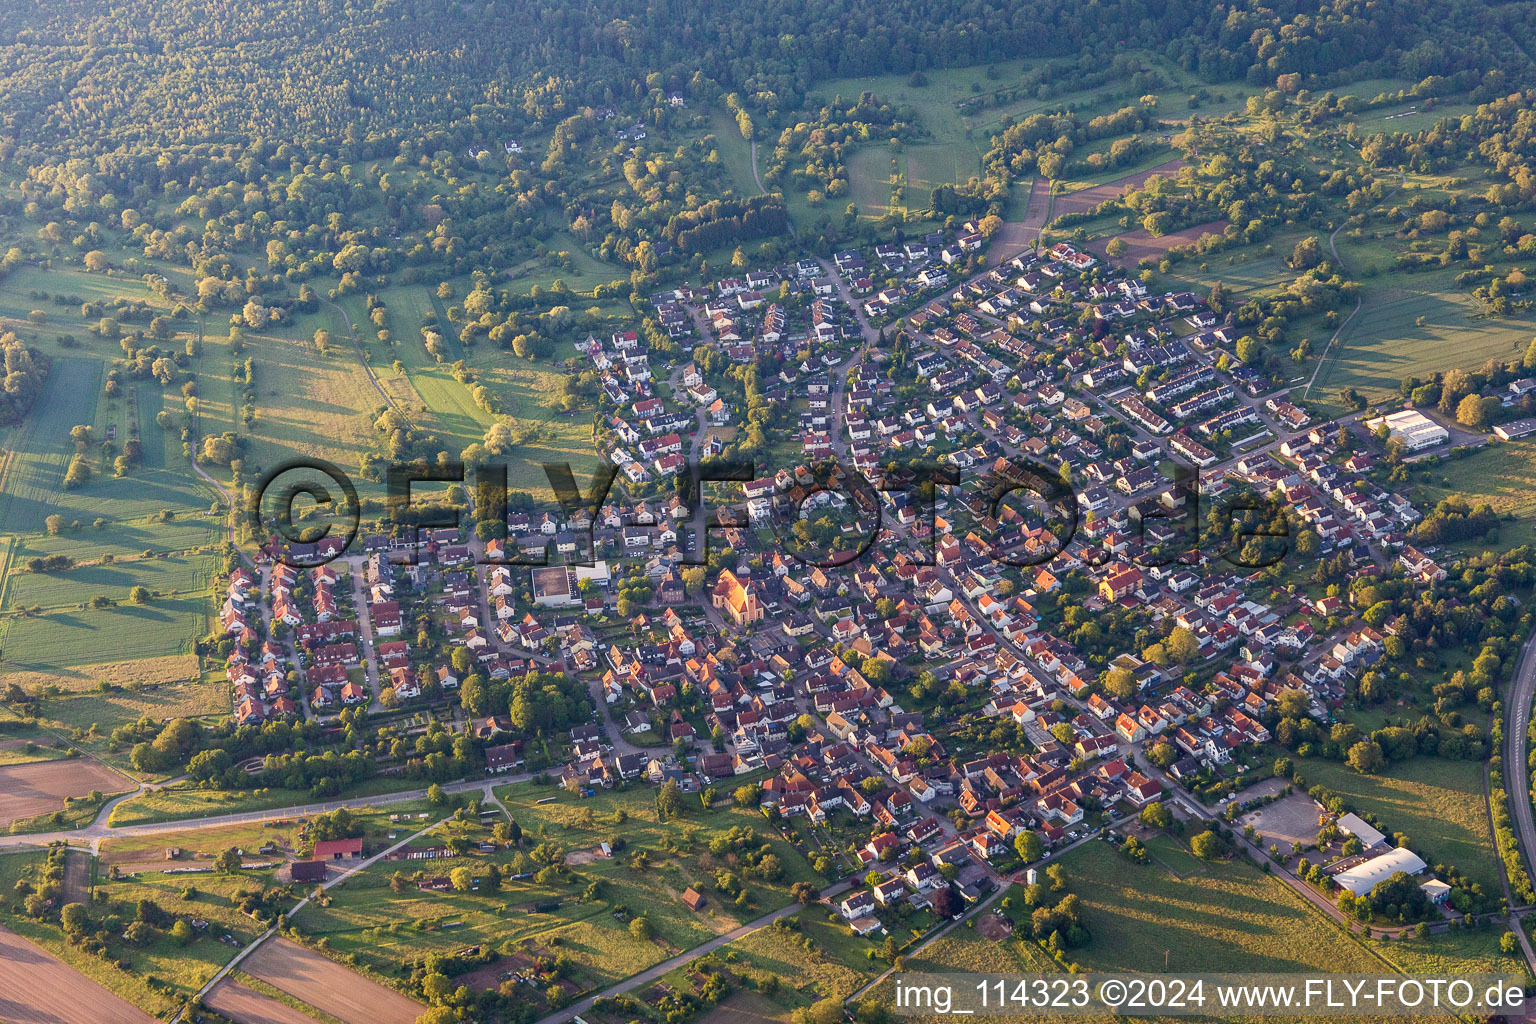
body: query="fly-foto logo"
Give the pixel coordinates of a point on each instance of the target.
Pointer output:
(825, 515)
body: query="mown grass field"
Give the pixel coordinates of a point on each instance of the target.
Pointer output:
(306, 404)
(1438, 803)
(1174, 855)
(870, 169)
(442, 405)
(1229, 918)
(180, 574)
(1401, 332)
(34, 479)
(1412, 322)
(67, 637)
(735, 152)
(1503, 474)
(16, 299)
(175, 803)
(428, 393)
(955, 142)
(159, 506)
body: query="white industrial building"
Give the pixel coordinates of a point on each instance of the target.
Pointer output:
(1362, 878)
(1355, 826)
(1412, 428)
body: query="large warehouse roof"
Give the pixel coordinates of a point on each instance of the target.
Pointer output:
(1362, 878)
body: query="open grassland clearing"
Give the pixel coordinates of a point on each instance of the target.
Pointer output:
(33, 483)
(735, 152)
(1437, 803)
(1401, 332)
(16, 298)
(1172, 855)
(1410, 116)
(585, 912)
(1244, 272)
(1455, 953)
(443, 405)
(197, 844)
(180, 574)
(548, 434)
(181, 801)
(162, 688)
(127, 632)
(306, 406)
(814, 959)
(379, 354)
(438, 403)
(1229, 918)
(24, 744)
(1501, 473)
(579, 269)
(965, 950)
(211, 896)
(584, 915)
(1411, 323)
(124, 537)
(108, 675)
(328, 986)
(381, 930)
(870, 173)
(34, 478)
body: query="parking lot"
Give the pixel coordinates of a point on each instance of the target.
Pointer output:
(1291, 819)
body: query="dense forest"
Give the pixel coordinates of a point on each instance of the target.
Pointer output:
(93, 76)
(269, 147)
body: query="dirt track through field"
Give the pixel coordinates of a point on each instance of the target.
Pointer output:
(36, 988)
(328, 986)
(27, 790)
(77, 876)
(247, 1006)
